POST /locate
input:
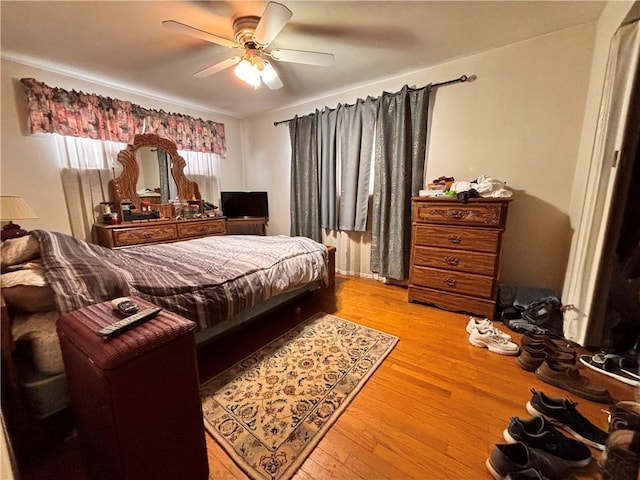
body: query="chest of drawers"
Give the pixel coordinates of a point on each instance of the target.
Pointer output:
(456, 251)
(161, 231)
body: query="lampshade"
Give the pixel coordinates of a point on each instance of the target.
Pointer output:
(15, 208)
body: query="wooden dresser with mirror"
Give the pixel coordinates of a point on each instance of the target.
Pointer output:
(153, 173)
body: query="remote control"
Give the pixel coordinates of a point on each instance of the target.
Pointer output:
(129, 322)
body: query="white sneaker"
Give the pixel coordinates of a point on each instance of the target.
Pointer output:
(493, 341)
(485, 324)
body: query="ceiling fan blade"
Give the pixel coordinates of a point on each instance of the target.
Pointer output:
(270, 77)
(218, 67)
(300, 56)
(201, 34)
(273, 20)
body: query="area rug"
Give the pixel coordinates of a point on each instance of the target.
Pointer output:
(271, 409)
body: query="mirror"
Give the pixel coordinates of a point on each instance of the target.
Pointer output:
(155, 181)
(152, 162)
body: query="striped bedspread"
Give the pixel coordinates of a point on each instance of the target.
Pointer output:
(207, 280)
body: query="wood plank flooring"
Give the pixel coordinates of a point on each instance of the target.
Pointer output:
(433, 410)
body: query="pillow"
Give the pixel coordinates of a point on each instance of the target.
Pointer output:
(36, 335)
(27, 290)
(19, 250)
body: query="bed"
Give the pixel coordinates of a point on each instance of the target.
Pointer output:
(218, 282)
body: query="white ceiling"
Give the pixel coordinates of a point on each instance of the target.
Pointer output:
(123, 43)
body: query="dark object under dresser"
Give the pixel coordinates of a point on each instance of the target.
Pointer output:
(456, 251)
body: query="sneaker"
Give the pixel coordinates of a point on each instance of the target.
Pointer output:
(621, 458)
(539, 434)
(568, 378)
(610, 365)
(492, 340)
(562, 413)
(484, 324)
(508, 459)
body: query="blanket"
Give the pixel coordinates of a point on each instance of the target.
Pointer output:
(207, 280)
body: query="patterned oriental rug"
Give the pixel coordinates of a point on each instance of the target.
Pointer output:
(271, 409)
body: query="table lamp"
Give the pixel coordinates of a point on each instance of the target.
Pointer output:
(14, 208)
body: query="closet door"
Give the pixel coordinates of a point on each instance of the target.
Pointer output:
(614, 152)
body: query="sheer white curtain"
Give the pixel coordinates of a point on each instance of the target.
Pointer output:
(204, 169)
(86, 166)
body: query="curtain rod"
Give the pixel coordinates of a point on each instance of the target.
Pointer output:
(460, 79)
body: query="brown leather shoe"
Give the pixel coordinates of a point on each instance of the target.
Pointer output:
(544, 341)
(569, 378)
(532, 357)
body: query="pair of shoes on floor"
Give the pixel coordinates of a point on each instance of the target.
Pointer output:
(568, 377)
(614, 366)
(482, 333)
(537, 348)
(621, 457)
(563, 413)
(535, 449)
(554, 361)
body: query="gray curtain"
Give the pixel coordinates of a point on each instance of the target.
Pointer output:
(357, 132)
(165, 172)
(399, 170)
(305, 192)
(327, 153)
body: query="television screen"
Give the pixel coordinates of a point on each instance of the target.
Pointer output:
(244, 204)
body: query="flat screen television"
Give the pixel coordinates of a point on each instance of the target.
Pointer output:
(244, 204)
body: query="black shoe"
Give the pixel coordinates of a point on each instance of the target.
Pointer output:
(528, 474)
(539, 434)
(512, 458)
(562, 413)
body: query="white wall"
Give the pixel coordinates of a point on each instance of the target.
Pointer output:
(28, 163)
(520, 121)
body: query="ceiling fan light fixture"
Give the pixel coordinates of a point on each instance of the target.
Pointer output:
(268, 73)
(245, 72)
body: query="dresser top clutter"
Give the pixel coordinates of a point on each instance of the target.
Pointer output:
(456, 252)
(155, 202)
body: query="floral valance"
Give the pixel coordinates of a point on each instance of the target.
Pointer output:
(79, 114)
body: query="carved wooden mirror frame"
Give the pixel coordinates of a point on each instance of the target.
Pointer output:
(124, 186)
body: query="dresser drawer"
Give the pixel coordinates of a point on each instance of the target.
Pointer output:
(197, 229)
(140, 235)
(475, 214)
(460, 260)
(453, 301)
(481, 240)
(458, 282)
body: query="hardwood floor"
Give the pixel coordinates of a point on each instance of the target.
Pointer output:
(434, 409)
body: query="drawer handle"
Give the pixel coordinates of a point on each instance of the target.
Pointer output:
(452, 260)
(450, 281)
(457, 213)
(454, 238)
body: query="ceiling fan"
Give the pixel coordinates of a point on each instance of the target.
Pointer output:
(254, 35)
